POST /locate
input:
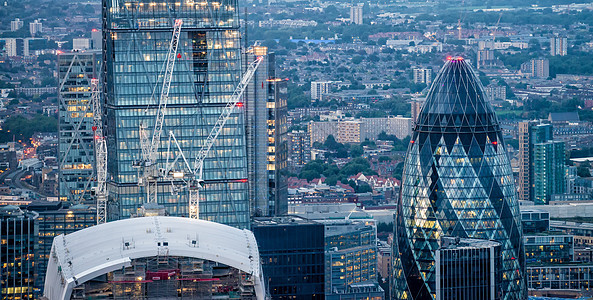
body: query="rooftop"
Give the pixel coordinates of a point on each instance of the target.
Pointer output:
(86, 254)
(451, 243)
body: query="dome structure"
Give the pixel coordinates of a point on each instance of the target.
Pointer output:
(457, 181)
(155, 257)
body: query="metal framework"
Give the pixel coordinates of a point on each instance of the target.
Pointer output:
(100, 154)
(148, 173)
(193, 178)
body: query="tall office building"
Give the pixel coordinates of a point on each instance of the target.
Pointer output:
(55, 218)
(530, 133)
(16, 24)
(457, 181)
(356, 14)
(96, 39)
(136, 36)
(558, 46)
(292, 255)
(422, 75)
(468, 269)
(75, 121)
(549, 174)
(267, 145)
(18, 248)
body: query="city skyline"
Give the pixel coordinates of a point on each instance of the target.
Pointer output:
(333, 150)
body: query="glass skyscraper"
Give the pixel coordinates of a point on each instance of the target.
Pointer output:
(458, 182)
(136, 37)
(75, 114)
(267, 144)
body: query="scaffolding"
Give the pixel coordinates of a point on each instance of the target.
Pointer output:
(170, 277)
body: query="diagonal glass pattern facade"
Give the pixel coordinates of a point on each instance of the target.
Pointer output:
(136, 36)
(457, 181)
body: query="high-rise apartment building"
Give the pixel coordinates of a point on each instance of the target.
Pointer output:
(416, 107)
(16, 24)
(549, 174)
(318, 88)
(422, 75)
(537, 67)
(457, 181)
(75, 121)
(558, 46)
(207, 69)
(299, 144)
(35, 27)
(18, 248)
(356, 14)
(530, 133)
(485, 58)
(267, 144)
(15, 47)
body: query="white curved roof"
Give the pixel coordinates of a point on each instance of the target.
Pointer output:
(88, 253)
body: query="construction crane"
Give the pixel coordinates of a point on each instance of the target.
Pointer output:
(100, 154)
(147, 172)
(496, 27)
(193, 176)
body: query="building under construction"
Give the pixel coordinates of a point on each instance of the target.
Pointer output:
(136, 40)
(167, 277)
(155, 258)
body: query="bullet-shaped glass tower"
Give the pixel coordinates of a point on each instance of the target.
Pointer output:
(457, 181)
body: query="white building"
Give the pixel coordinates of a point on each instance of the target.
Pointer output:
(319, 88)
(97, 39)
(81, 44)
(153, 243)
(35, 27)
(16, 24)
(356, 14)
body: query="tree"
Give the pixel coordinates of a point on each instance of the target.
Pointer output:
(583, 169)
(357, 60)
(363, 188)
(356, 151)
(331, 144)
(399, 169)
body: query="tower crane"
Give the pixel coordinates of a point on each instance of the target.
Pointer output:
(193, 176)
(100, 154)
(147, 171)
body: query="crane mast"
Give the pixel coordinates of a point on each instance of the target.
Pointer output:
(148, 173)
(100, 154)
(196, 183)
(192, 176)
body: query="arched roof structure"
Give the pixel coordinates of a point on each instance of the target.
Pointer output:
(83, 255)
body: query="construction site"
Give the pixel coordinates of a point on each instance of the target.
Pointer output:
(170, 278)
